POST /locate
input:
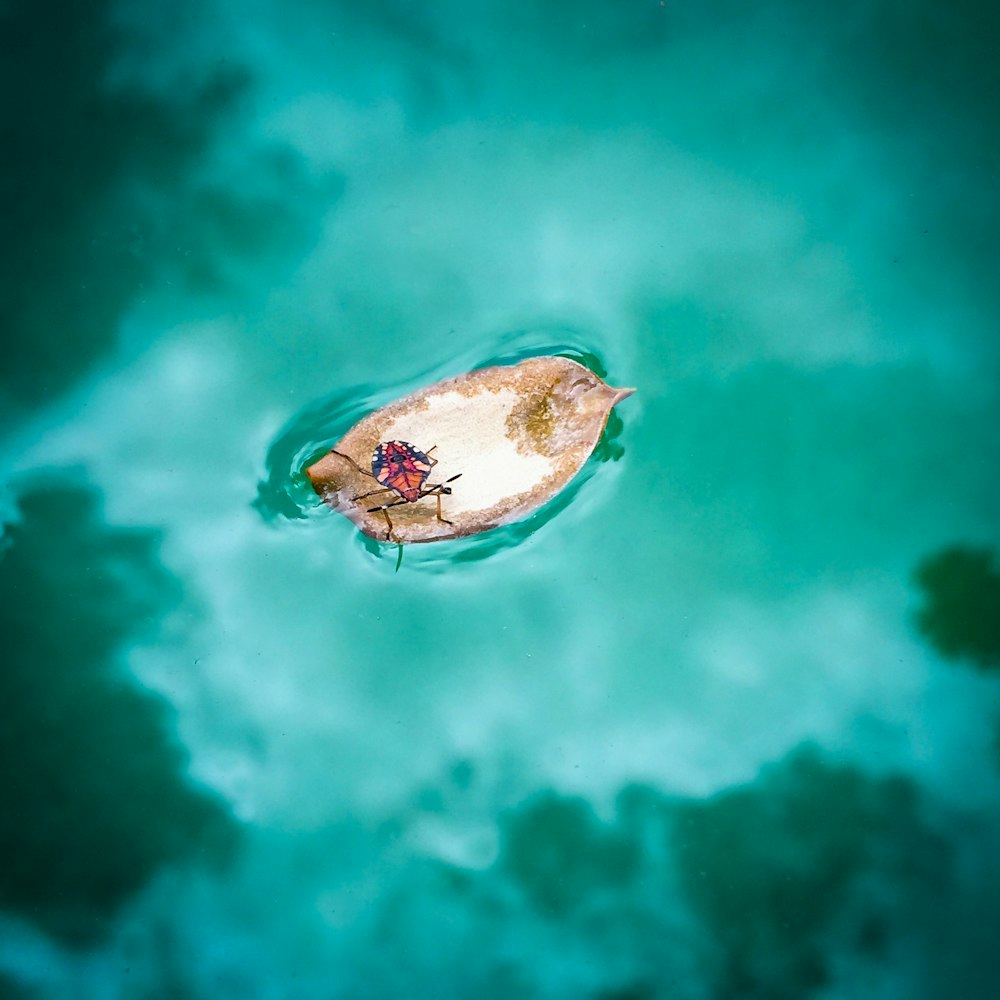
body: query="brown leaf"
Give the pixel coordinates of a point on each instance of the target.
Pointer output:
(513, 435)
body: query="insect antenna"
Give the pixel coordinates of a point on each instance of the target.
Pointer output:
(440, 487)
(395, 503)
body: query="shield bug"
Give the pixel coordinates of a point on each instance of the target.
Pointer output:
(402, 469)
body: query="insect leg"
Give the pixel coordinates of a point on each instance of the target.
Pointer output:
(385, 513)
(439, 491)
(371, 493)
(441, 517)
(333, 451)
(388, 534)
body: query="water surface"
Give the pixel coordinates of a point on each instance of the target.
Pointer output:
(721, 722)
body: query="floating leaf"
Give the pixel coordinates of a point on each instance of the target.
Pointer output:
(500, 442)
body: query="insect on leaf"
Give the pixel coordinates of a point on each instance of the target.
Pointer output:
(501, 442)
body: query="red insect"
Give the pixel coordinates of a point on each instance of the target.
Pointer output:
(402, 469)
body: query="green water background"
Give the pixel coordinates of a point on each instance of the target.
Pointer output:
(724, 725)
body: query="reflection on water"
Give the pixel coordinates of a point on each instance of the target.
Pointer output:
(961, 613)
(95, 794)
(110, 189)
(812, 853)
(717, 724)
(771, 872)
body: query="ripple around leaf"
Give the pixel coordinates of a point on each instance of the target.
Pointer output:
(286, 495)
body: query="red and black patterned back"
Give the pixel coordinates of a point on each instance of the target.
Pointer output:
(401, 467)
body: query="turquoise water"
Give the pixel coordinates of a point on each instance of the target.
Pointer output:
(721, 722)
